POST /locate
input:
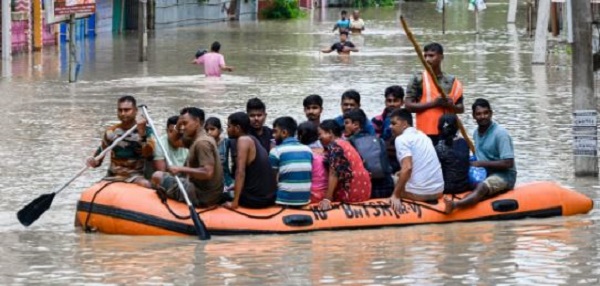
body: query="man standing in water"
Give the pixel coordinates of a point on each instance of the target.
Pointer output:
(495, 152)
(343, 47)
(213, 61)
(423, 98)
(357, 25)
(127, 159)
(342, 24)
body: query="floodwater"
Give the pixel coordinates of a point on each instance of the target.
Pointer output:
(49, 126)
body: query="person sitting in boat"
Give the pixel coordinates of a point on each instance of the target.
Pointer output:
(357, 25)
(213, 61)
(343, 24)
(214, 129)
(494, 151)
(254, 184)
(292, 164)
(202, 175)
(420, 177)
(308, 134)
(372, 151)
(257, 111)
(172, 141)
(349, 181)
(423, 98)
(351, 100)
(343, 47)
(453, 154)
(128, 158)
(313, 107)
(394, 99)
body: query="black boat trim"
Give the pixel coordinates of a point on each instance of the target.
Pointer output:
(183, 228)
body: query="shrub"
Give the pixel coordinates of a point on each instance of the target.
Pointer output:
(283, 9)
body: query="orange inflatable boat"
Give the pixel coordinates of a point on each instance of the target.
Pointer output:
(121, 208)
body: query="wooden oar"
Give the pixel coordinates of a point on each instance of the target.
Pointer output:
(32, 211)
(429, 70)
(201, 230)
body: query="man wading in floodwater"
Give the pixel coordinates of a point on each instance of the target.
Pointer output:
(213, 61)
(343, 47)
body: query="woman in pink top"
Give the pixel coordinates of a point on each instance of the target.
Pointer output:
(308, 135)
(213, 61)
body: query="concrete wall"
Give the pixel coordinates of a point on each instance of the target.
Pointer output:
(172, 13)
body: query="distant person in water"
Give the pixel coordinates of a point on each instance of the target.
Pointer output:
(343, 24)
(213, 61)
(357, 25)
(343, 47)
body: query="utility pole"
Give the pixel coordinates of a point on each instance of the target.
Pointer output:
(37, 25)
(512, 12)
(72, 50)
(6, 34)
(585, 114)
(143, 30)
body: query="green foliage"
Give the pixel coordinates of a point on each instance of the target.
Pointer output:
(374, 3)
(283, 9)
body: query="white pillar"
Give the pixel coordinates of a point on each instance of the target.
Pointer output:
(512, 11)
(541, 33)
(6, 33)
(569, 21)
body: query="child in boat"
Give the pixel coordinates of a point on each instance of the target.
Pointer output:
(214, 129)
(308, 135)
(453, 153)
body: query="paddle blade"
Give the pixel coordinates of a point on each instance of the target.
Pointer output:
(201, 230)
(31, 212)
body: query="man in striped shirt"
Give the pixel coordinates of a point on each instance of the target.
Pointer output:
(292, 163)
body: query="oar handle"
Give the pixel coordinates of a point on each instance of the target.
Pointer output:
(429, 70)
(100, 156)
(201, 230)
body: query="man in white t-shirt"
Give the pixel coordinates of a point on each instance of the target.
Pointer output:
(420, 176)
(357, 25)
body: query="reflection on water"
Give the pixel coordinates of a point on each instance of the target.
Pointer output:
(50, 126)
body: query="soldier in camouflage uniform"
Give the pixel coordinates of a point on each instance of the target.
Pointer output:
(128, 157)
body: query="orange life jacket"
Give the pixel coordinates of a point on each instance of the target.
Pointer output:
(427, 121)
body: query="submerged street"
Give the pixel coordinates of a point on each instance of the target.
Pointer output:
(50, 126)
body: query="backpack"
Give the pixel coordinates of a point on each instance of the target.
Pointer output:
(373, 154)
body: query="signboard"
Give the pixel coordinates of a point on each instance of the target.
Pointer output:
(67, 7)
(53, 14)
(585, 134)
